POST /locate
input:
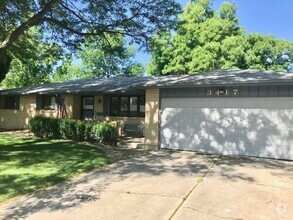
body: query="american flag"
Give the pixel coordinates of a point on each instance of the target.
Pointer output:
(61, 108)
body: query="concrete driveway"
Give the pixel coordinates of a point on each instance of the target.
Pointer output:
(168, 185)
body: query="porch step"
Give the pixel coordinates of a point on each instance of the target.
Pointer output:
(132, 145)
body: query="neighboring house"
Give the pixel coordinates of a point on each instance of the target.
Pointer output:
(239, 112)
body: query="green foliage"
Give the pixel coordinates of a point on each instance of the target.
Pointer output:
(44, 127)
(34, 65)
(67, 22)
(68, 71)
(80, 130)
(72, 129)
(104, 133)
(268, 53)
(68, 129)
(101, 57)
(208, 40)
(88, 131)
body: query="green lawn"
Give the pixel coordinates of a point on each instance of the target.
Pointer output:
(27, 165)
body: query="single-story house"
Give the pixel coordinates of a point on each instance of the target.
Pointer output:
(233, 112)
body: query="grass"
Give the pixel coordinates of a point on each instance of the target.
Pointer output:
(27, 165)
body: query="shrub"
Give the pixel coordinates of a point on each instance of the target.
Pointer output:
(44, 127)
(80, 130)
(53, 128)
(104, 133)
(88, 131)
(71, 129)
(36, 126)
(68, 129)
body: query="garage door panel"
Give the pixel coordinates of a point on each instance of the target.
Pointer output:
(255, 131)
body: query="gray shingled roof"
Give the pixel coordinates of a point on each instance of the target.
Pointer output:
(223, 77)
(133, 85)
(85, 86)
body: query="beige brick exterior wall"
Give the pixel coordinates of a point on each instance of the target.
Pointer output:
(69, 103)
(152, 117)
(76, 107)
(18, 119)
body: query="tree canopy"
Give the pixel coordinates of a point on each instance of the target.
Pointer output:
(209, 39)
(34, 65)
(67, 22)
(100, 57)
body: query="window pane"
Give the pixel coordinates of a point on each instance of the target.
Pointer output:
(9, 102)
(49, 102)
(1, 102)
(114, 106)
(123, 106)
(88, 103)
(133, 106)
(142, 106)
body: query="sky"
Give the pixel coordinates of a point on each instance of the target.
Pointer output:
(273, 17)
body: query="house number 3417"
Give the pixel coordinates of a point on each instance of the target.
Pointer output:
(222, 92)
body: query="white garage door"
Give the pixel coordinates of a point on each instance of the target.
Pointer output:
(240, 126)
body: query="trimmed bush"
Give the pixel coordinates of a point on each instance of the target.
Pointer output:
(104, 133)
(44, 127)
(68, 129)
(71, 129)
(80, 130)
(88, 131)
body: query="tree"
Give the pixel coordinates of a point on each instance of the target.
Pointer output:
(68, 21)
(268, 53)
(35, 64)
(207, 40)
(109, 56)
(101, 57)
(67, 70)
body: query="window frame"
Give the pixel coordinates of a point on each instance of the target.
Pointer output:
(90, 105)
(41, 103)
(16, 102)
(138, 113)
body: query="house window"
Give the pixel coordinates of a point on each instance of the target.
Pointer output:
(11, 102)
(88, 103)
(114, 106)
(141, 106)
(123, 106)
(46, 102)
(49, 103)
(128, 106)
(133, 105)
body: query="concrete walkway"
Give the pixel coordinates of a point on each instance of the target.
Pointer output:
(168, 185)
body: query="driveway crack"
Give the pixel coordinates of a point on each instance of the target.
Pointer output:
(141, 193)
(195, 186)
(279, 187)
(210, 214)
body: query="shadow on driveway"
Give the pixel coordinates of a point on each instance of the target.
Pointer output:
(89, 187)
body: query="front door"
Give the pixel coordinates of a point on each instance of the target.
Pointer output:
(87, 111)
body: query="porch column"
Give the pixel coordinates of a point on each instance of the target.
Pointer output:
(152, 117)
